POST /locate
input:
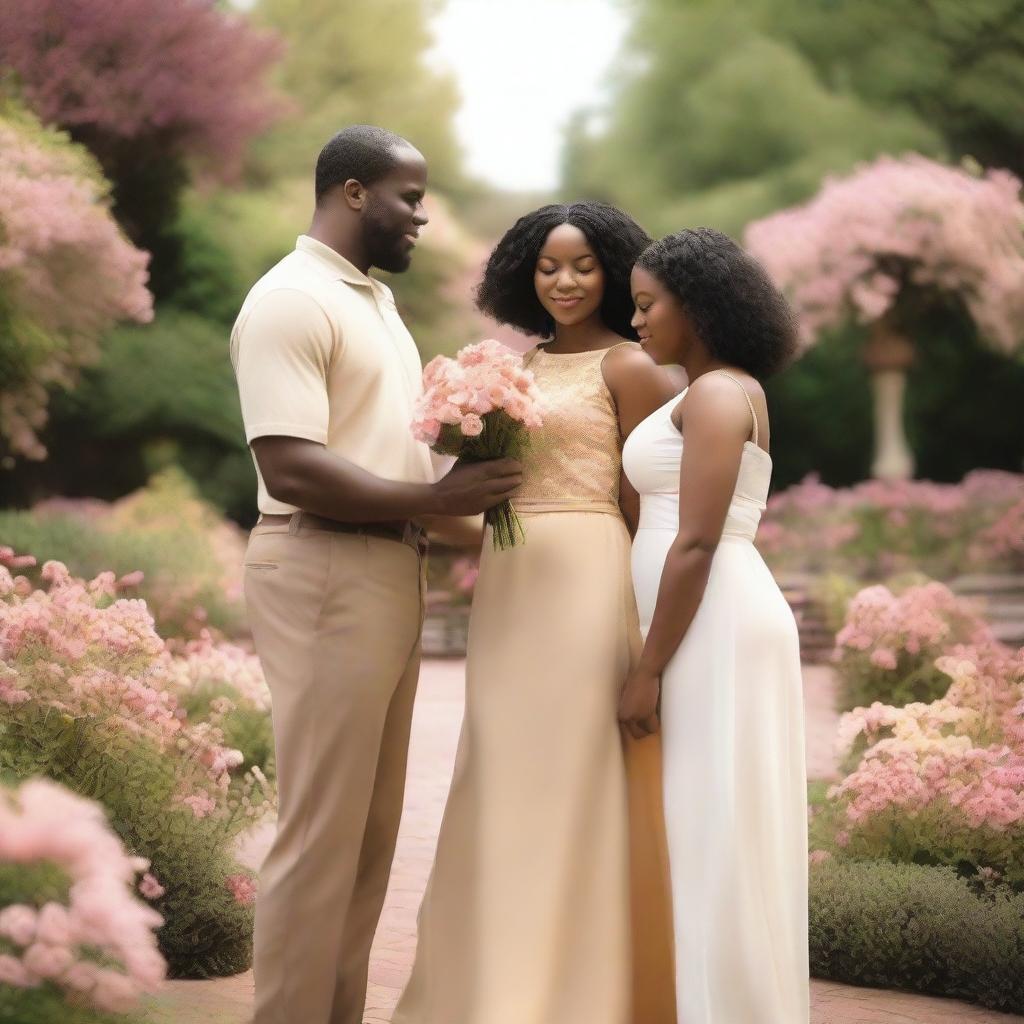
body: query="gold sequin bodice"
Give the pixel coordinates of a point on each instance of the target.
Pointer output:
(574, 459)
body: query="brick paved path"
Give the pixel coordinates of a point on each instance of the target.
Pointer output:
(435, 732)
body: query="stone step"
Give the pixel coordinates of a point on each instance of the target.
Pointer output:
(988, 583)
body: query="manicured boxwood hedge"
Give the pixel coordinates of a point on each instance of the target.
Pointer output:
(920, 928)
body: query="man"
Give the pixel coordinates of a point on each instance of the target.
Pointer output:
(327, 375)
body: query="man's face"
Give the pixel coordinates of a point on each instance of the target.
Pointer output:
(394, 214)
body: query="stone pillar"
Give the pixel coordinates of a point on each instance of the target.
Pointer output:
(888, 355)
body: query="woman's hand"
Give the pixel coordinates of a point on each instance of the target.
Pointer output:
(638, 705)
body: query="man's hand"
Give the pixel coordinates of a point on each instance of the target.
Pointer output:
(475, 487)
(638, 705)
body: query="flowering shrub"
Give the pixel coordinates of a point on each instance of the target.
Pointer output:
(1002, 541)
(67, 273)
(223, 684)
(74, 936)
(877, 528)
(852, 251)
(939, 782)
(90, 696)
(168, 546)
(888, 645)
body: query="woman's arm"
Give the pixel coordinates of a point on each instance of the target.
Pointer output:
(716, 422)
(629, 503)
(638, 386)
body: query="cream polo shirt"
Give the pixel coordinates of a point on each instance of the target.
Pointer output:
(320, 352)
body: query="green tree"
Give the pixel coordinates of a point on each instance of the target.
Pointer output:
(367, 69)
(958, 66)
(715, 121)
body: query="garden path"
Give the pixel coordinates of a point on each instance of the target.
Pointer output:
(435, 732)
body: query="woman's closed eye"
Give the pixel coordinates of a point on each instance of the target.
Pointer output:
(588, 268)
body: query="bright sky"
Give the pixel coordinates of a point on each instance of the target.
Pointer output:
(523, 67)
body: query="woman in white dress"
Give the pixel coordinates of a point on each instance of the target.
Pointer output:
(720, 669)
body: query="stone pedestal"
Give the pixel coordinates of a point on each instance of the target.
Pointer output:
(888, 354)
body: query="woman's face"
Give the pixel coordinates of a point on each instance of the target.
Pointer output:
(568, 278)
(659, 318)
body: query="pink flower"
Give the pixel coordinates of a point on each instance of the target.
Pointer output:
(819, 856)
(55, 927)
(47, 961)
(18, 923)
(55, 572)
(150, 887)
(242, 887)
(883, 658)
(13, 972)
(201, 804)
(472, 425)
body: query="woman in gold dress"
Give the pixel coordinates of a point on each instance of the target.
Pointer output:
(527, 916)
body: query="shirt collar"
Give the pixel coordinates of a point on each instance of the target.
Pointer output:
(333, 262)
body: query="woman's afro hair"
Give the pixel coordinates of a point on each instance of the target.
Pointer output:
(735, 309)
(507, 292)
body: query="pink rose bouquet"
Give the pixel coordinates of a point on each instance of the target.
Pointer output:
(480, 405)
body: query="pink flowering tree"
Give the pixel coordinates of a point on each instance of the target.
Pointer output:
(186, 74)
(67, 273)
(154, 88)
(871, 247)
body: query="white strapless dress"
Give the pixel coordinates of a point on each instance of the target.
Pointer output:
(735, 786)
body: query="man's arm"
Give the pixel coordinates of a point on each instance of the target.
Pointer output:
(305, 474)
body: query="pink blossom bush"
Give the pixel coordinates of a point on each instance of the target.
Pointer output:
(1002, 542)
(88, 941)
(856, 247)
(92, 698)
(889, 643)
(187, 72)
(223, 684)
(940, 782)
(67, 273)
(878, 528)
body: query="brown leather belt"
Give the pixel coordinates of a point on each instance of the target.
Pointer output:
(403, 530)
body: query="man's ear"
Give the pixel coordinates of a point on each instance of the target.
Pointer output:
(355, 194)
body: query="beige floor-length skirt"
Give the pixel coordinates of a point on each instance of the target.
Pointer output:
(526, 918)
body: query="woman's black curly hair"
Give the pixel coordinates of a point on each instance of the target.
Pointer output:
(507, 292)
(735, 309)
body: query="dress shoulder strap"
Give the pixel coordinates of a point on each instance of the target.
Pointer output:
(750, 404)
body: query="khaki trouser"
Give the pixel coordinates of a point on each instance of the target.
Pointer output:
(336, 618)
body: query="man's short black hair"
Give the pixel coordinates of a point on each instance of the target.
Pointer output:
(507, 292)
(735, 309)
(360, 151)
